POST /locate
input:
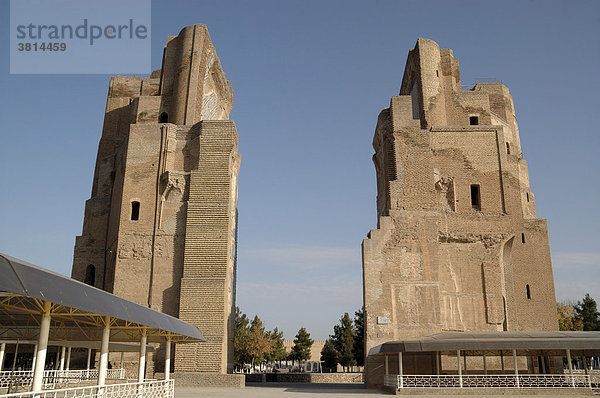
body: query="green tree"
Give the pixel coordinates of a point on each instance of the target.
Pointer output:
(587, 312)
(241, 323)
(257, 342)
(329, 356)
(302, 344)
(567, 320)
(359, 339)
(343, 341)
(277, 353)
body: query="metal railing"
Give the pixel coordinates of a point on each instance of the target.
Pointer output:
(148, 389)
(492, 381)
(14, 379)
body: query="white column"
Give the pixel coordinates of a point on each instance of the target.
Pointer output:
(570, 367)
(400, 370)
(516, 367)
(89, 358)
(484, 364)
(460, 379)
(57, 361)
(587, 373)
(142, 364)
(437, 363)
(122, 359)
(62, 357)
(502, 360)
(2, 351)
(42, 347)
(168, 359)
(14, 364)
(68, 364)
(104, 352)
(386, 366)
(34, 356)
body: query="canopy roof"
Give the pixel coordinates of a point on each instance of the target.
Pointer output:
(494, 341)
(78, 310)
(96, 345)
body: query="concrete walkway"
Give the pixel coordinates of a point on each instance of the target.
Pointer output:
(305, 390)
(260, 390)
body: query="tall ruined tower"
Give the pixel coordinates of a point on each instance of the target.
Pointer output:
(160, 226)
(458, 246)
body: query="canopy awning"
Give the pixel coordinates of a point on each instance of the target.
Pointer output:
(494, 341)
(95, 345)
(78, 310)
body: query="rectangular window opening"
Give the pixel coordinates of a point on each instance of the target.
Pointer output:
(528, 196)
(135, 211)
(508, 148)
(475, 197)
(523, 237)
(473, 120)
(528, 293)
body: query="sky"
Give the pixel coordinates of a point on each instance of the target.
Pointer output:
(310, 78)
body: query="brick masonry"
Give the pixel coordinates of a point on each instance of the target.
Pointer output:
(160, 226)
(438, 261)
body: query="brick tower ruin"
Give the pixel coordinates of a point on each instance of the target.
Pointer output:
(458, 246)
(160, 226)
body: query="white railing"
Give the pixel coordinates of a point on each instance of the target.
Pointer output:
(23, 378)
(492, 381)
(15, 378)
(149, 389)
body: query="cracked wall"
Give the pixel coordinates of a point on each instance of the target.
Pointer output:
(436, 262)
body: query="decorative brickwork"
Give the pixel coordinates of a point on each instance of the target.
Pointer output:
(160, 226)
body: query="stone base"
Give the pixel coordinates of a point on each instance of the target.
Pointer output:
(491, 391)
(194, 379)
(331, 378)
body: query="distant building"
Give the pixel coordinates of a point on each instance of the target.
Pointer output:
(458, 246)
(315, 353)
(160, 226)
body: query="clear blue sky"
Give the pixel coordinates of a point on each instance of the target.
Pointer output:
(310, 78)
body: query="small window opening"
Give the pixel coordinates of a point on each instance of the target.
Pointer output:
(508, 148)
(135, 211)
(475, 197)
(522, 237)
(437, 73)
(473, 120)
(163, 118)
(528, 292)
(90, 275)
(528, 196)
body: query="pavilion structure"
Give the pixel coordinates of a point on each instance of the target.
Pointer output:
(41, 308)
(491, 360)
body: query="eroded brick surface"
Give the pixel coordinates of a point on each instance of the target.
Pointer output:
(440, 260)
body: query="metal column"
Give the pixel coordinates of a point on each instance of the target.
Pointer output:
(104, 352)
(460, 379)
(168, 359)
(40, 359)
(142, 364)
(514, 352)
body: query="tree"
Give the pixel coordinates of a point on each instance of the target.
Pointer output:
(587, 312)
(302, 345)
(241, 323)
(567, 320)
(278, 352)
(329, 355)
(257, 342)
(251, 343)
(359, 339)
(343, 341)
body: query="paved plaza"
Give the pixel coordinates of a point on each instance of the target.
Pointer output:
(297, 390)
